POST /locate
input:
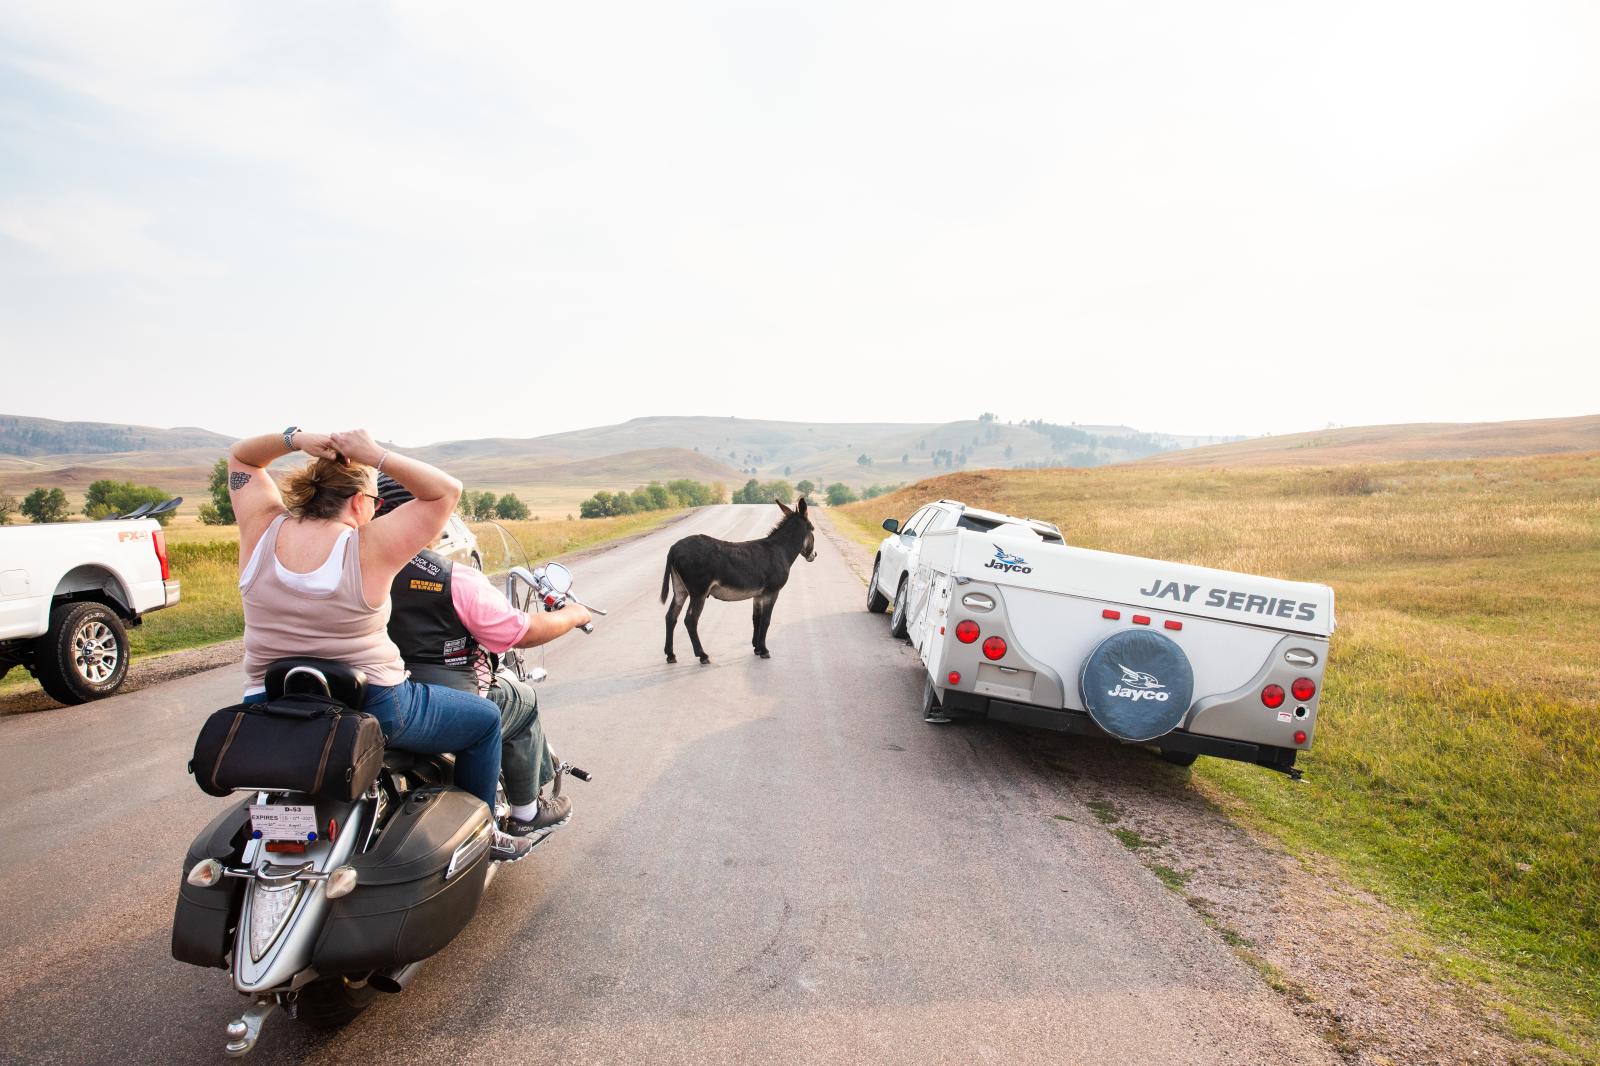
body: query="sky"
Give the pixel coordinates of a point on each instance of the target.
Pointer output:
(448, 221)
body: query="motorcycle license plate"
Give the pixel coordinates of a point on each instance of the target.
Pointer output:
(287, 822)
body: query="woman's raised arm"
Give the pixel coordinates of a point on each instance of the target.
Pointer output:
(390, 541)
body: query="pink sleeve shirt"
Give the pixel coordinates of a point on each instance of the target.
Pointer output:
(485, 611)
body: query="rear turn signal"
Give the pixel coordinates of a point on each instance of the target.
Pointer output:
(967, 632)
(994, 648)
(1303, 688)
(1272, 695)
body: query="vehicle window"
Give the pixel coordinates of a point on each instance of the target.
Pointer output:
(928, 519)
(982, 525)
(905, 527)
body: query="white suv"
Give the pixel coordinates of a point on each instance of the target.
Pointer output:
(897, 555)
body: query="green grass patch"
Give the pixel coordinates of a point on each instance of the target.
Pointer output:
(1104, 812)
(1131, 839)
(1173, 879)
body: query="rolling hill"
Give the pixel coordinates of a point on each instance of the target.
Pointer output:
(1416, 440)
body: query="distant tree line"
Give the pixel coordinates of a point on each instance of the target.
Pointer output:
(484, 506)
(684, 492)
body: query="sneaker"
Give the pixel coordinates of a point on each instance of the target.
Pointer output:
(554, 812)
(508, 848)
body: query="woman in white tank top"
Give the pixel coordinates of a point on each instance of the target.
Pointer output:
(315, 568)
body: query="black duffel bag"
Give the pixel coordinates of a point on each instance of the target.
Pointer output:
(302, 743)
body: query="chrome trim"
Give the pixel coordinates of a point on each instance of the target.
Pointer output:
(314, 672)
(468, 850)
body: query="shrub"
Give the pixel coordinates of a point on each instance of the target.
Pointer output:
(221, 507)
(107, 497)
(840, 494)
(45, 505)
(510, 509)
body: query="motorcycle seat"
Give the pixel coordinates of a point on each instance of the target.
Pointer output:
(321, 677)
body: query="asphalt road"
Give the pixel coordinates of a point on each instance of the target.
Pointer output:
(777, 862)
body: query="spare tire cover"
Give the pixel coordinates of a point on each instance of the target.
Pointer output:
(1137, 685)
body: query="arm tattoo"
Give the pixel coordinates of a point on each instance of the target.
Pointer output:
(238, 480)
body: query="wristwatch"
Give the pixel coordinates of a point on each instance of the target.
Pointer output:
(288, 437)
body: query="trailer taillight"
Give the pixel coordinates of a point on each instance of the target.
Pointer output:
(994, 648)
(1272, 695)
(1141, 619)
(955, 677)
(160, 541)
(1299, 736)
(1109, 613)
(1173, 623)
(1303, 688)
(967, 632)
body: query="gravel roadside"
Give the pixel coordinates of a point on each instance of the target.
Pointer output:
(1354, 968)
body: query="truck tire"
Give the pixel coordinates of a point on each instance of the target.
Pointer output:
(83, 656)
(331, 1002)
(876, 601)
(897, 620)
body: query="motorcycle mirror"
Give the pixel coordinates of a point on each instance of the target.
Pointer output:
(558, 577)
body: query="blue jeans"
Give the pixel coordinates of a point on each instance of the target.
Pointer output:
(431, 719)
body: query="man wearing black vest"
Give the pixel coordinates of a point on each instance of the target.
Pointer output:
(449, 622)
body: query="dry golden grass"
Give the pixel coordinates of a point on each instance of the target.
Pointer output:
(1457, 764)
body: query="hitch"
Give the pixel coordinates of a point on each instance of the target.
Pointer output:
(245, 1030)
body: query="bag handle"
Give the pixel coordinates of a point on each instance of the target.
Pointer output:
(302, 707)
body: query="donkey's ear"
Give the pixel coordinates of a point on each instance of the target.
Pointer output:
(801, 506)
(782, 505)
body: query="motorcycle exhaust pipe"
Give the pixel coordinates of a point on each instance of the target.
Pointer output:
(396, 979)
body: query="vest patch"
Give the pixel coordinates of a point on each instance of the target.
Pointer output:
(426, 586)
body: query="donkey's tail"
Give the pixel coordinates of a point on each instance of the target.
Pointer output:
(666, 581)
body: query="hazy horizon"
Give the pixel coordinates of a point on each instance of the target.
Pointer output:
(513, 221)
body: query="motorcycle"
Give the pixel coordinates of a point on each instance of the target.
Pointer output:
(316, 905)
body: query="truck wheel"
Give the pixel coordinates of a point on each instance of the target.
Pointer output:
(334, 1001)
(83, 655)
(876, 601)
(897, 620)
(1179, 758)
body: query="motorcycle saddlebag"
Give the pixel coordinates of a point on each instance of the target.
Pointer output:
(202, 926)
(408, 902)
(302, 743)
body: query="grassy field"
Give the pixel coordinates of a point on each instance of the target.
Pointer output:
(206, 560)
(1457, 764)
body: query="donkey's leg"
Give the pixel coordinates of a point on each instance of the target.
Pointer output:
(755, 624)
(691, 622)
(766, 603)
(679, 594)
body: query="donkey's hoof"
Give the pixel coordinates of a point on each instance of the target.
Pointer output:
(705, 660)
(672, 658)
(764, 654)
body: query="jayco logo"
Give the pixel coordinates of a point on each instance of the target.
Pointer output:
(1137, 685)
(1009, 564)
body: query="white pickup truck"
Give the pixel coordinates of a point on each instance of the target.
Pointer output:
(1014, 625)
(68, 590)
